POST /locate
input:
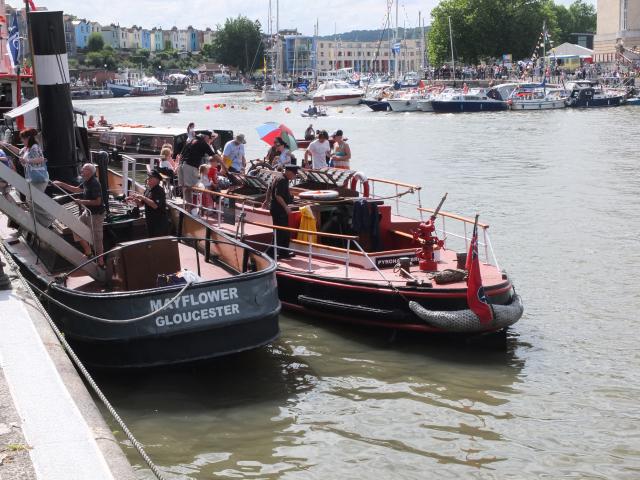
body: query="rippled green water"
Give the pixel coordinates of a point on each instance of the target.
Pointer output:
(561, 191)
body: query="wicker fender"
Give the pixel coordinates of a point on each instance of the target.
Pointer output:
(465, 321)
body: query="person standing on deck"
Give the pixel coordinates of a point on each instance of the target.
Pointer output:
(155, 206)
(280, 199)
(190, 161)
(318, 150)
(341, 153)
(233, 154)
(93, 213)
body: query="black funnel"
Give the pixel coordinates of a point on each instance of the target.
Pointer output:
(51, 69)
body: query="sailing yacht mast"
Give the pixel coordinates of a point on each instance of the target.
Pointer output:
(453, 60)
(397, 58)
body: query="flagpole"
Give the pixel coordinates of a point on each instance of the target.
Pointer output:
(30, 39)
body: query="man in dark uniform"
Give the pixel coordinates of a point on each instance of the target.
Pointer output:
(280, 199)
(155, 206)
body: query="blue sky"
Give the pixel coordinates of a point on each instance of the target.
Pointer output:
(339, 14)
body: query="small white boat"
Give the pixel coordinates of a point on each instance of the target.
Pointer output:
(407, 102)
(275, 93)
(538, 98)
(193, 90)
(337, 93)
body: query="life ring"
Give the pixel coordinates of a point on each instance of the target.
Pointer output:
(319, 195)
(364, 180)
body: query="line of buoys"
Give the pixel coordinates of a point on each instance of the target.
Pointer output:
(224, 105)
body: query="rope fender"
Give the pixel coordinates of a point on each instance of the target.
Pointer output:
(465, 321)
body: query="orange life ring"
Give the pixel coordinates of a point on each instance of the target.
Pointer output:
(319, 195)
(365, 183)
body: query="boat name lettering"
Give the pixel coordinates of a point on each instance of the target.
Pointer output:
(386, 262)
(197, 315)
(193, 299)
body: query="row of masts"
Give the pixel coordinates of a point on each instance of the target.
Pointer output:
(275, 60)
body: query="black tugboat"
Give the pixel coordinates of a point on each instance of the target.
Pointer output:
(159, 301)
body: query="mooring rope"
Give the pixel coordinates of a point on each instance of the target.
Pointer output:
(109, 320)
(137, 445)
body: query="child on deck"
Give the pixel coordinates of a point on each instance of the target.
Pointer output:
(207, 184)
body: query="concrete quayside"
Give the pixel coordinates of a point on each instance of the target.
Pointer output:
(50, 426)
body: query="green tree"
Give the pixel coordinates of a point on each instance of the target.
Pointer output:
(102, 58)
(208, 51)
(95, 42)
(489, 28)
(239, 43)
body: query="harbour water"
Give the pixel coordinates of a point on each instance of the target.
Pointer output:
(561, 191)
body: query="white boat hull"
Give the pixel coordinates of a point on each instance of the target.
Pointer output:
(425, 106)
(538, 104)
(275, 96)
(337, 100)
(401, 105)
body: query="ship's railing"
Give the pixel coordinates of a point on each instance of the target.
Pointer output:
(405, 196)
(460, 231)
(343, 255)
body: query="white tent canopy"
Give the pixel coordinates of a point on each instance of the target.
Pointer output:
(570, 49)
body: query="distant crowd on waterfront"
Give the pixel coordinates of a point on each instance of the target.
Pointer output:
(529, 72)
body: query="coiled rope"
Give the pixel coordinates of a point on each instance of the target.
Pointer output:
(137, 445)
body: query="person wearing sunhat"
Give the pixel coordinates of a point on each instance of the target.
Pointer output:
(233, 154)
(280, 199)
(155, 206)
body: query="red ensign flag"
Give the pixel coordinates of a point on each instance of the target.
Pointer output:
(476, 297)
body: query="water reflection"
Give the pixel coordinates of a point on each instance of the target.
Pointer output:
(322, 395)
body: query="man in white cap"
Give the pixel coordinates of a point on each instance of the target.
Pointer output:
(233, 154)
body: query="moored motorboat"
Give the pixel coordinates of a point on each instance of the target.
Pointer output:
(478, 100)
(587, 94)
(276, 93)
(337, 93)
(407, 102)
(538, 97)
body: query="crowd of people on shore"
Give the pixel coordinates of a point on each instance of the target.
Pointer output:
(528, 71)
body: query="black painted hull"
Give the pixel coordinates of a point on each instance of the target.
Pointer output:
(174, 336)
(598, 102)
(359, 303)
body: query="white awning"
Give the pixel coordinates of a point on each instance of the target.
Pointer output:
(30, 106)
(22, 109)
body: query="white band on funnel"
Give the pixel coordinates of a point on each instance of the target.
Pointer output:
(52, 69)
